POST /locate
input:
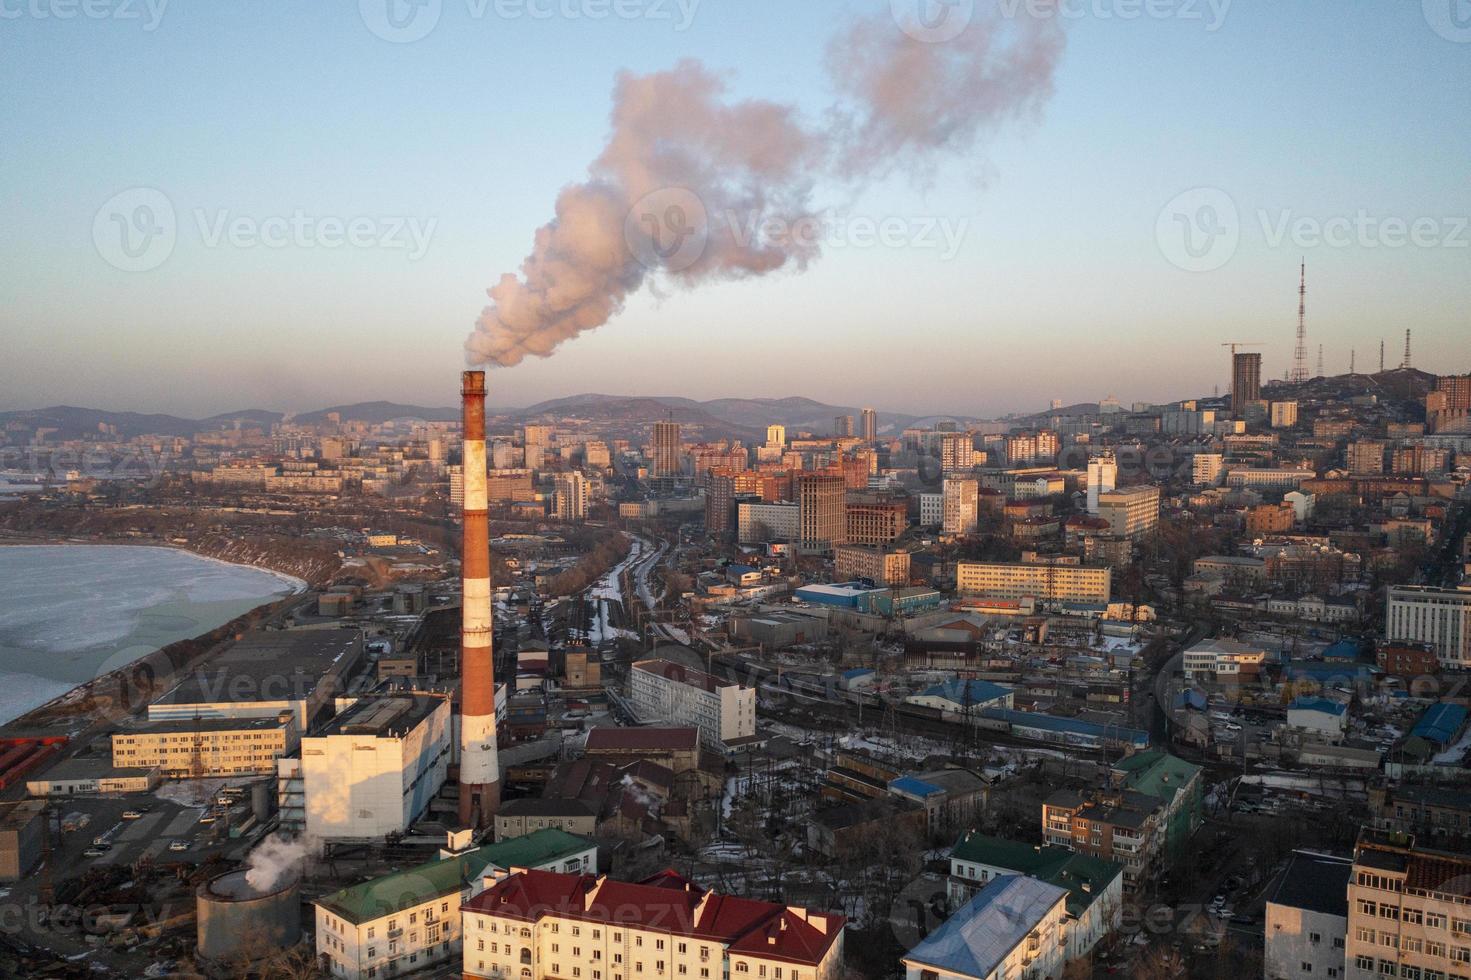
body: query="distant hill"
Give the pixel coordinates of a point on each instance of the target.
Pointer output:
(375, 413)
(74, 423)
(745, 418)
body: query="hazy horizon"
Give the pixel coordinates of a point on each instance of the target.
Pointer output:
(1152, 203)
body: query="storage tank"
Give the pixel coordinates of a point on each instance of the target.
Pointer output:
(233, 915)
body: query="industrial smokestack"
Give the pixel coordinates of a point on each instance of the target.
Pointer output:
(480, 791)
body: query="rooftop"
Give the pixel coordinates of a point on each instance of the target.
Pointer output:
(269, 665)
(390, 717)
(413, 886)
(976, 939)
(1315, 883)
(670, 902)
(684, 675)
(606, 738)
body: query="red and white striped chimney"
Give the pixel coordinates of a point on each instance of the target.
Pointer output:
(480, 790)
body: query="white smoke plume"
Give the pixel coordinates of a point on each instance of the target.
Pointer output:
(688, 179)
(274, 863)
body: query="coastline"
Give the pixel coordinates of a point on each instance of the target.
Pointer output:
(157, 665)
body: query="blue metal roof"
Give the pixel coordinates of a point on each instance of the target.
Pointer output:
(1344, 650)
(857, 672)
(977, 939)
(1316, 704)
(914, 786)
(1066, 726)
(1440, 723)
(979, 692)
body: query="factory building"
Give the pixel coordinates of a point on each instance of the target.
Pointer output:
(543, 924)
(266, 673)
(410, 920)
(375, 768)
(723, 711)
(207, 747)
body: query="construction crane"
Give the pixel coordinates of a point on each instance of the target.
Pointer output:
(1242, 343)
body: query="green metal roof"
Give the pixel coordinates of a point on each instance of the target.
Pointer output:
(1084, 877)
(1156, 773)
(448, 876)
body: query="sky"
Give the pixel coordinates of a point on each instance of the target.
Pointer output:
(215, 206)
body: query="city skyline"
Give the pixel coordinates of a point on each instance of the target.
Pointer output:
(1028, 256)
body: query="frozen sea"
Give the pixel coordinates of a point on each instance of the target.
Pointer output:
(71, 612)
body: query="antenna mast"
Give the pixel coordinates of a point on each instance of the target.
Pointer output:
(1300, 356)
(1406, 365)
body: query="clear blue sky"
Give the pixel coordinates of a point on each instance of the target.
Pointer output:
(1061, 287)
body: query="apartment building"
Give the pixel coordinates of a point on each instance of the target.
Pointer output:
(723, 711)
(1440, 618)
(1050, 582)
(758, 523)
(1131, 512)
(1206, 468)
(1307, 919)
(1409, 911)
(1122, 826)
(821, 510)
(207, 747)
(1015, 927)
(875, 520)
(961, 505)
(880, 565)
(411, 920)
(931, 509)
(586, 927)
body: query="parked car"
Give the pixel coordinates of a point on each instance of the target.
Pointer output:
(92, 852)
(133, 814)
(178, 845)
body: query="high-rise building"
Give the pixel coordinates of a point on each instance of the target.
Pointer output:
(1103, 475)
(776, 435)
(961, 505)
(875, 518)
(757, 523)
(1438, 617)
(666, 449)
(843, 426)
(821, 499)
(1246, 381)
(720, 499)
(1284, 415)
(1131, 512)
(1457, 389)
(1206, 469)
(538, 441)
(571, 502)
(870, 425)
(1407, 911)
(957, 452)
(1365, 457)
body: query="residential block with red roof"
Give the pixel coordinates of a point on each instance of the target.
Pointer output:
(537, 924)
